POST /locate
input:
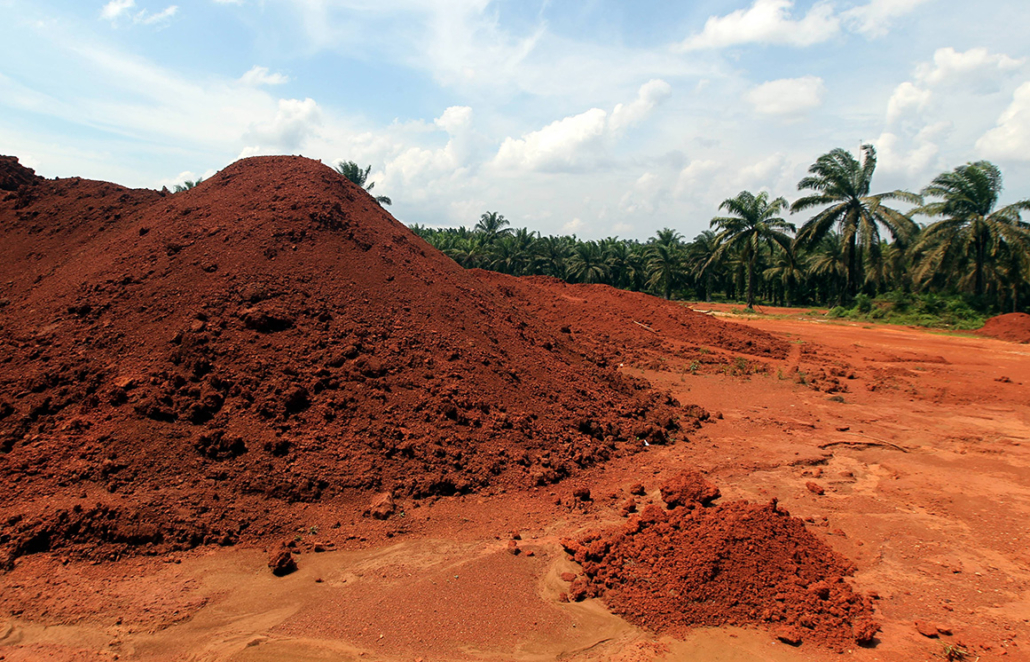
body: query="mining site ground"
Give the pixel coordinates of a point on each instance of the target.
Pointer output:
(917, 470)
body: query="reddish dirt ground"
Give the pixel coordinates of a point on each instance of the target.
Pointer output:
(899, 454)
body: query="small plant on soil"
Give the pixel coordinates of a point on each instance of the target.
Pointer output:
(954, 652)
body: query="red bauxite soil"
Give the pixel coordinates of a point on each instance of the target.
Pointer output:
(731, 564)
(1014, 327)
(175, 366)
(631, 326)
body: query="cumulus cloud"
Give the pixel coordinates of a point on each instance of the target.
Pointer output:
(454, 119)
(876, 18)
(697, 175)
(977, 66)
(578, 140)
(557, 146)
(262, 76)
(766, 22)
(906, 97)
(788, 96)
(1010, 139)
(294, 122)
(766, 172)
(917, 159)
(644, 195)
(651, 94)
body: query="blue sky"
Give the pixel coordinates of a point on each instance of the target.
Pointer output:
(595, 117)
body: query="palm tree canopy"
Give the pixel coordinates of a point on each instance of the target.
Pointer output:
(842, 184)
(493, 225)
(754, 223)
(971, 232)
(354, 173)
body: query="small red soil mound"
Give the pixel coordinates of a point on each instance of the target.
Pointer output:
(1014, 327)
(733, 564)
(632, 326)
(178, 366)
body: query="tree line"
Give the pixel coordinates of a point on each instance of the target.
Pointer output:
(953, 242)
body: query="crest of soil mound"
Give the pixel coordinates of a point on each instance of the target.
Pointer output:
(731, 564)
(1014, 327)
(174, 366)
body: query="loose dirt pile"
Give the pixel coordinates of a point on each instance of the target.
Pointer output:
(731, 564)
(177, 367)
(1014, 327)
(633, 327)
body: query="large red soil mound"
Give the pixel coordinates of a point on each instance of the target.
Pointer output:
(1014, 327)
(174, 366)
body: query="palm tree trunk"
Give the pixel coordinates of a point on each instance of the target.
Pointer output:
(852, 267)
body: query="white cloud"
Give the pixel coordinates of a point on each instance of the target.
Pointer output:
(573, 226)
(875, 19)
(788, 96)
(262, 76)
(557, 146)
(906, 97)
(1010, 139)
(578, 140)
(116, 8)
(650, 95)
(697, 175)
(976, 66)
(150, 19)
(644, 195)
(918, 161)
(454, 119)
(293, 123)
(766, 22)
(763, 173)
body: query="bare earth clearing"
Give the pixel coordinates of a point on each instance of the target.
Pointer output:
(508, 417)
(938, 531)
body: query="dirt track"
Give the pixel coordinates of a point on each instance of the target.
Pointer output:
(926, 481)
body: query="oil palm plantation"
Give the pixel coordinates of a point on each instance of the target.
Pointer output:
(354, 173)
(841, 185)
(753, 223)
(971, 234)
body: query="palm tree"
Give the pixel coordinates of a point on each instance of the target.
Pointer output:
(552, 255)
(971, 230)
(354, 173)
(493, 226)
(702, 263)
(624, 262)
(842, 184)
(753, 223)
(828, 262)
(586, 264)
(665, 267)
